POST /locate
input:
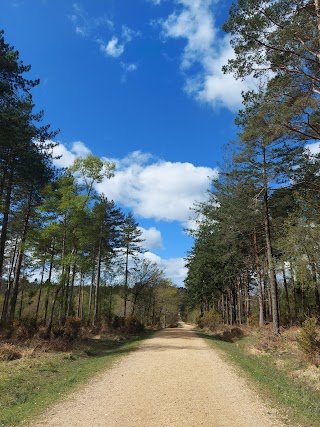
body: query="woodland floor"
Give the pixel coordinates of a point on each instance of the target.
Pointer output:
(174, 379)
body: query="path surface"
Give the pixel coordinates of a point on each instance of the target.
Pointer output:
(174, 379)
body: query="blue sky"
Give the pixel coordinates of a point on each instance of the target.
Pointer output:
(139, 82)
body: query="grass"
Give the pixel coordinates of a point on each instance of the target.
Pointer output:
(29, 385)
(298, 402)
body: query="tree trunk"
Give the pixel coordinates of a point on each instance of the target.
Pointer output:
(285, 285)
(259, 281)
(5, 219)
(126, 284)
(271, 269)
(40, 291)
(96, 312)
(70, 309)
(17, 272)
(91, 294)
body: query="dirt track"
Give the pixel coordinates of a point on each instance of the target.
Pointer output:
(174, 379)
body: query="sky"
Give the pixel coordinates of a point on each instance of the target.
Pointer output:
(138, 82)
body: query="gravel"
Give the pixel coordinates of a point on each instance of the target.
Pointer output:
(174, 379)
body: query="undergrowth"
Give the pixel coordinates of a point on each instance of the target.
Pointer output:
(35, 375)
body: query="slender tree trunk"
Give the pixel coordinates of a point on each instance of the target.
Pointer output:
(294, 293)
(51, 264)
(16, 278)
(4, 174)
(46, 304)
(7, 294)
(247, 292)
(285, 285)
(96, 313)
(259, 281)
(5, 219)
(21, 304)
(40, 290)
(80, 295)
(70, 298)
(271, 269)
(126, 284)
(91, 294)
(238, 303)
(315, 282)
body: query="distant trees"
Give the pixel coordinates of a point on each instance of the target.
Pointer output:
(256, 241)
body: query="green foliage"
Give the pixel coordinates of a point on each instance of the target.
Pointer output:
(309, 341)
(210, 320)
(72, 328)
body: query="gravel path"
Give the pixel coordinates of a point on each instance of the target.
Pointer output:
(174, 379)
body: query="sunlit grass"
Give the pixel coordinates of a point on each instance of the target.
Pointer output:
(298, 403)
(31, 384)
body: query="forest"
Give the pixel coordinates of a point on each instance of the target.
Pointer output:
(69, 257)
(256, 253)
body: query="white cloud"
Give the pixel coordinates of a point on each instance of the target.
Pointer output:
(194, 22)
(152, 188)
(313, 148)
(88, 26)
(112, 48)
(174, 268)
(129, 67)
(128, 34)
(85, 25)
(67, 156)
(152, 238)
(158, 189)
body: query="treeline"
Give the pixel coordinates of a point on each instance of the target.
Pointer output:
(256, 252)
(83, 251)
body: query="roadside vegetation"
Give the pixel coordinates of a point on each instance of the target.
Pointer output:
(37, 373)
(283, 368)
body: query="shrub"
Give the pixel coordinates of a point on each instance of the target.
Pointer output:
(72, 328)
(27, 328)
(308, 340)
(117, 322)
(9, 352)
(133, 325)
(211, 319)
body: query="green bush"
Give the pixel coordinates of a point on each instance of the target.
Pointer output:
(210, 320)
(308, 340)
(72, 328)
(26, 328)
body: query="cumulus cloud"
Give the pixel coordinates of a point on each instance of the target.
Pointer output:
(152, 238)
(174, 268)
(158, 189)
(152, 188)
(193, 21)
(64, 157)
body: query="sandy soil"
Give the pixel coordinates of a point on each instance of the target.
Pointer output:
(174, 379)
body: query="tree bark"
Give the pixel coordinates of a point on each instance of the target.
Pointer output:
(17, 272)
(5, 219)
(271, 269)
(259, 281)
